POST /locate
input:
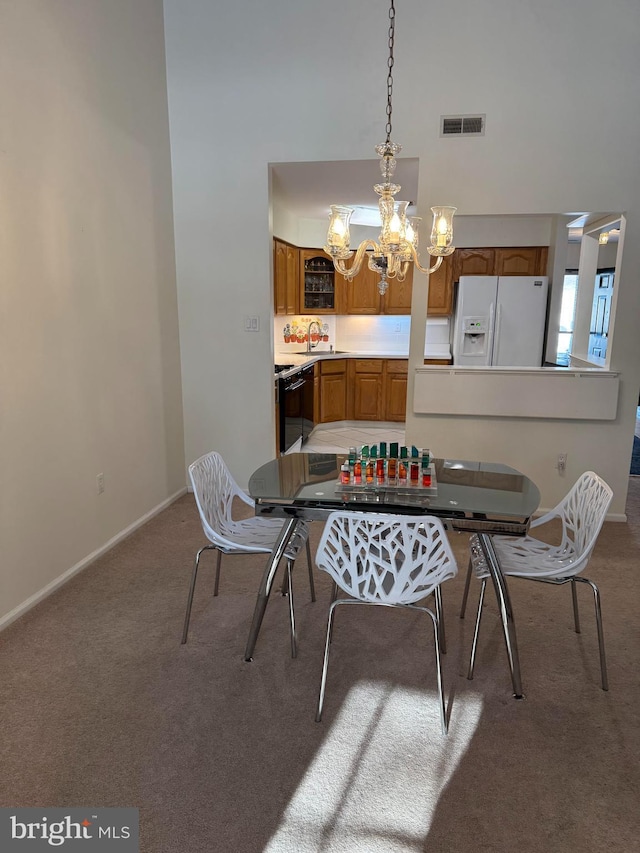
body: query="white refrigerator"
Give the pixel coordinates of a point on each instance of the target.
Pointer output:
(500, 320)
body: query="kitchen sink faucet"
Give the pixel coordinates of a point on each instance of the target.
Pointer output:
(311, 346)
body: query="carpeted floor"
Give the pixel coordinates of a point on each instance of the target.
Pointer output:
(101, 706)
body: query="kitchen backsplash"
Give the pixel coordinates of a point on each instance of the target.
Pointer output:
(357, 333)
(292, 333)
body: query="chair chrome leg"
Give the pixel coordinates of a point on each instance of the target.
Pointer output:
(312, 585)
(192, 587)
(294, 641)
(217, 583)
(574, 598)
(603, 660)
(505, 609)
(325, 664)
(436, 643)
(476, 632)
(334, 595)
(465, 594)
(442, 640)
(265, 585)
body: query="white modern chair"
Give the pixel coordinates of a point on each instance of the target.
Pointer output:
(389, 560)
(582, 512)
(214, 489)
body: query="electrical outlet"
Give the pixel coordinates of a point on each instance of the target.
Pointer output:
(100, 483)
(562, 462)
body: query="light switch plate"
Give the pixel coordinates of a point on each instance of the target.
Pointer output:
(251, 323)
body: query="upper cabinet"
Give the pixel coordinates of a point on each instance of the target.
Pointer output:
(397, 299)
(473, 262)
(440, 302)
(361, 295)
(531, 260)
(306, 281)
(527, 260)
(286, 289)
(317, 282)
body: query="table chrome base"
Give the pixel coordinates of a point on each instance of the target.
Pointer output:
(267, 583)
(506, 615)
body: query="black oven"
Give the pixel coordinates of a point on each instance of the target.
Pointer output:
(295, 395)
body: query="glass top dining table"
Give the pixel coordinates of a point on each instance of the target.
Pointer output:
(480, 497)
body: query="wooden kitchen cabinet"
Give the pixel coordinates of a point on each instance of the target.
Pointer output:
(530, 260)
(333, 391)
(305, 280)
(397, 299)
(377, 389)
(524, 260)
(361, 296)
(366, 389)
(395, 390)
(473, 262)
(361, 389)
(440, 302)
(286, 286)
(317, 282)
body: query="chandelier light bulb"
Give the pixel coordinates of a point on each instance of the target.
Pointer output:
(409, 233)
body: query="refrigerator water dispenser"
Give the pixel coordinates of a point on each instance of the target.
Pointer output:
(475, 336)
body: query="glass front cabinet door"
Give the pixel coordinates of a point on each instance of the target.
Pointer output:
(317, 282)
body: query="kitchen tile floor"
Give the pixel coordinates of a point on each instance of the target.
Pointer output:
(339, 437)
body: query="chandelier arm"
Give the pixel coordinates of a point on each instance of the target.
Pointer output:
(350, 272)
(427, 270)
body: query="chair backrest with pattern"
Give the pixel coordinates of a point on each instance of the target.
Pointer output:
(214, 489)
(583, 512)
(385, 559)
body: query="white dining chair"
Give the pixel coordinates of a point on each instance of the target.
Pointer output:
(388, 560)
(582, 512)
(214, 490)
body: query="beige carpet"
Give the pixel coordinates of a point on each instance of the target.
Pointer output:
(100, 705)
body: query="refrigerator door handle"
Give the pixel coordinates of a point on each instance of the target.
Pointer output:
(496, 334)
(491, 338)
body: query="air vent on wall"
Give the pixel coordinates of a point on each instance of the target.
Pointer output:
(462, 125)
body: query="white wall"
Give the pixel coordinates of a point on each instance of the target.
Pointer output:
(89, 349)
(253, 83)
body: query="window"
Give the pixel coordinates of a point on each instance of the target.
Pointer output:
(567, 317)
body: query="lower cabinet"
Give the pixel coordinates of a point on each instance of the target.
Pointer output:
(366, 389)
(332, 394)
(395, 390)
(378, 389)
(361, 389)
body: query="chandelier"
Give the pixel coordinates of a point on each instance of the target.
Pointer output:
(397, 245)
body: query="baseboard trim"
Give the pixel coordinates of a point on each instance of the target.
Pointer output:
(46, 591)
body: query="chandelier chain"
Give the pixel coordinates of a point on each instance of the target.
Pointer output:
(392, 27)
(395, 252)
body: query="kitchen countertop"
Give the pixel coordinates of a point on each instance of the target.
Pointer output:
(303, 359)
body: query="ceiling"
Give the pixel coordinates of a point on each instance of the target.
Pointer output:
(307, 190)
